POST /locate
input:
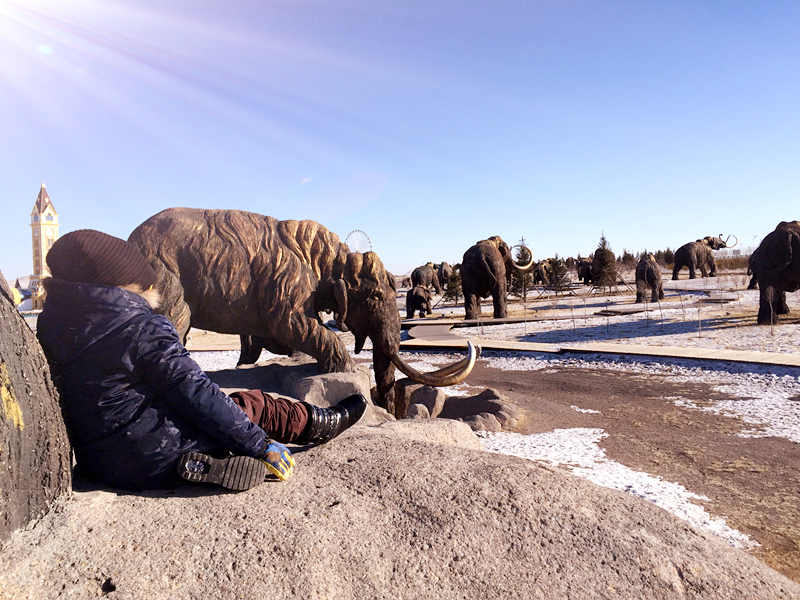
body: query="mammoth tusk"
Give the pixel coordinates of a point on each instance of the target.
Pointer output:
(530, 264)
(450, 375)
(729, 237)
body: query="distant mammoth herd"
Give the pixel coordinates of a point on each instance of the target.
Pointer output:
(268, 281)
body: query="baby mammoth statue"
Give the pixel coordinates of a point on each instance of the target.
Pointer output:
(418, 299)
(648, 275)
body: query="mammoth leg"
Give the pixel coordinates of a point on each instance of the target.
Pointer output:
(779, 303)
(641, 288)
(499, 301)
(676, 270)
(660, 291)
(384, 380)
(173, 306)
(305, 334)
(769, 303)
(249, 350)
(472, 300)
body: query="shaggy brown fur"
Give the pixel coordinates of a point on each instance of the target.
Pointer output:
(237, 272)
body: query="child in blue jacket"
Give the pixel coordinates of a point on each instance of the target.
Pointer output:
(140, 413)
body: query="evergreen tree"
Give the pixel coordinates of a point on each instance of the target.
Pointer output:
(521, 282)
(453, 289)
(604, 265)
(559, 278)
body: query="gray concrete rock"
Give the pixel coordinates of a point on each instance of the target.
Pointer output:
(409, 392)
(483, 422)
(432, 398)
(492, 402)
(418, 411)
(5, 289)
(35, 466)
(380, 513)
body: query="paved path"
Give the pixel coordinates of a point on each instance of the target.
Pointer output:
(439, 336)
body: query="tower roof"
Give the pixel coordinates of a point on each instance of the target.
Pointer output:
(43, 201)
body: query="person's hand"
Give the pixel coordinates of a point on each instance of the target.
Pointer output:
(278, 459)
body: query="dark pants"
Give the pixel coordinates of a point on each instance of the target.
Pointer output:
(282, 419)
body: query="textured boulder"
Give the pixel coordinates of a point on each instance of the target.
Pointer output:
(35, 467)
(418, 411)
(381, 512)
(408, 392)
(488, 411)
(5, 289)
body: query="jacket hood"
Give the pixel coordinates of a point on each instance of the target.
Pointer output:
(76, 315)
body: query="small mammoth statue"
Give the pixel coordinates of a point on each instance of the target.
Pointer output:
(418, 298)
(648, 275)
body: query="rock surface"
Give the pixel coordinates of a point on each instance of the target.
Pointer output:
(34, 451)
(409, 509)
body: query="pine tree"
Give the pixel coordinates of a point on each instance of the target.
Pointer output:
(604, 266)
(521, 282)
(453, 289)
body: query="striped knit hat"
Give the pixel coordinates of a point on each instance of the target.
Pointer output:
(89, 256)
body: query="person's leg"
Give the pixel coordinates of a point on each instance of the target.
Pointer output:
(299, 422)
(283, 420)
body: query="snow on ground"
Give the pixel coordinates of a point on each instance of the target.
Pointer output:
(764, 396)
(579, 450)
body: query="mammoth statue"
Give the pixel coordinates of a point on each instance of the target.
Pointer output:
(584, 269)
(443, 272)
(776, 265)
(418, 299)
(430, 274)
(648, 275)
(698, 255)
(241, 273)
(486, 270)
(751, 271)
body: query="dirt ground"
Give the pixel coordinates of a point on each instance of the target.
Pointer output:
(753, 483)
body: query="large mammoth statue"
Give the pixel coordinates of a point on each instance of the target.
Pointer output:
(241, 273)
(418, 299)
(648, 275)
(698, 255)
(486, 270)
(776, 265)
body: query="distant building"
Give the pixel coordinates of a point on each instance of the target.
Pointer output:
(44, 231)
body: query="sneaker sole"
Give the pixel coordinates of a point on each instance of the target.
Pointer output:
(234, 472)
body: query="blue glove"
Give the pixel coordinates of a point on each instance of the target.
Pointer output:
(278, 459)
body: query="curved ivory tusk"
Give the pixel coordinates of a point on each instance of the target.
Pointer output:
(530, 264)
(729, 237)
(450, 375)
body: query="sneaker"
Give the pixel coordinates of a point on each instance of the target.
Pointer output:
(233, 472)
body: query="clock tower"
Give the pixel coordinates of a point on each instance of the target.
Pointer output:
(44, 231)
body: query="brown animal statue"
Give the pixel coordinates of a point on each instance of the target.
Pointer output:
(241, 273)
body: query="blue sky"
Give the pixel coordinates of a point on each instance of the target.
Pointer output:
(428, 125)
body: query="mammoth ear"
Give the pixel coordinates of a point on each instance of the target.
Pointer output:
(340, 294)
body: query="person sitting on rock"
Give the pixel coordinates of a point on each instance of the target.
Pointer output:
(140, 413)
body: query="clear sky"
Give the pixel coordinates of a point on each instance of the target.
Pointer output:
(427, 124)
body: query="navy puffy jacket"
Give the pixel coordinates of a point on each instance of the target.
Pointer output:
(132, 398)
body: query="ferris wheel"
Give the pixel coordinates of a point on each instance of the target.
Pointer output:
(358, 241)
